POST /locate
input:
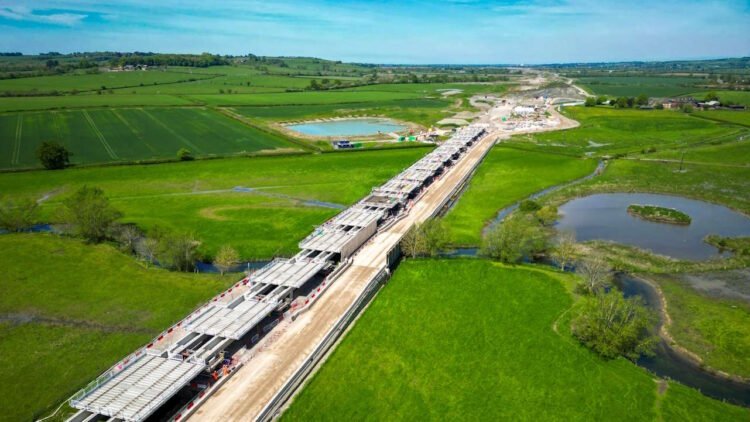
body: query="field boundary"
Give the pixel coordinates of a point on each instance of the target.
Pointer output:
(229, 112)
(719, 120)
(140, 85)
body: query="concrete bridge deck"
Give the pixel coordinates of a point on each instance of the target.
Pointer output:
(244, 396)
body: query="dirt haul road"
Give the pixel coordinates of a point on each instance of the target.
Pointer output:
(244, 395)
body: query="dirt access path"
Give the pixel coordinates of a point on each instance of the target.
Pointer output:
(243, 396)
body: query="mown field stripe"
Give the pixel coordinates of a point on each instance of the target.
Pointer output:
(17, 146)
(134, 130)
(100, 135)
(176, 135)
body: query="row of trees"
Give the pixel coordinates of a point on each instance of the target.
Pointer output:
(190, 60)
(410, 78)
(54, 156)
(619, 102)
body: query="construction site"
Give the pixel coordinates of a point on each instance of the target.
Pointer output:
(243, 354)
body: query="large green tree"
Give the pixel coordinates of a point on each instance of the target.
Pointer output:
(89, 214)
(425, 239)
(515, 238)
(53, 156)
(178, 251)
(613, 326)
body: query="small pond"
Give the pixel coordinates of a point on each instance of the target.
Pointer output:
(347, 127)
(605, 217)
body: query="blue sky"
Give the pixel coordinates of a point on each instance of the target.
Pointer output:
(450, 31)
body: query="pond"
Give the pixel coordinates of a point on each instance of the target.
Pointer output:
(347, 127)
(605, 217)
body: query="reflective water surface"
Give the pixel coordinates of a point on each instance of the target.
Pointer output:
(348, 127)
(605, 217)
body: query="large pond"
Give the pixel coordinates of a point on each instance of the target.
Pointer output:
(347, 127)
(605, 217)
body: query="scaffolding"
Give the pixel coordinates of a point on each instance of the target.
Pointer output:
(234, 319)
(293, 272)
(137, 391)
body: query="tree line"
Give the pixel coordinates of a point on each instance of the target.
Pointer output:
(188, 60)
(374, 79)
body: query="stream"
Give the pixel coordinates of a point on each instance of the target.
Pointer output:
(500, 216)
(666, 362)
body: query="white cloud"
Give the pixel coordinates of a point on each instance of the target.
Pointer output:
(21, 13)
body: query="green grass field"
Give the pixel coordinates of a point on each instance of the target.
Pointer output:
(717, 330)
(240, 80)
(424, 111)
(437, 88)
(737, 97)
(69, 311)
(505, 176)
(606, 131)
(11, 104)
(300, 98)
(136, 116)
(98, 81)
(197, 196)
(732, 153)
(484, 348)
(129, 134)
(632, 86)
(711, 182)
(735, 117)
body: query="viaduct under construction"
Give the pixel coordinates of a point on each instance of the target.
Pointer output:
(242, 355)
